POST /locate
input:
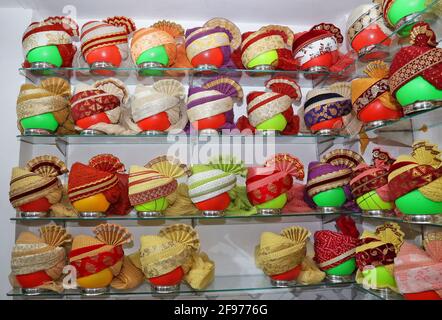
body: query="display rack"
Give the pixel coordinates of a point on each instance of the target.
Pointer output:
(241, 283)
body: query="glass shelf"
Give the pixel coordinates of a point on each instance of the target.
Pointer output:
(133, 219)
(422, 120)
(428, 118)
(437, 223)
(428, 15)
(390, 295)
(234, 283)
(194, 76)
(172, 138)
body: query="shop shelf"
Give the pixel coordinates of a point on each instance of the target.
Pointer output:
(437, 223)
(414, 122)
(381, 294)
(133, 219)
(227, 283)
(172, 138)
(418, 121)
(130, 75)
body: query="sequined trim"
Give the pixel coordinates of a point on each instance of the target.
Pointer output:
(371, 94)
(327, 111)
(365, 20)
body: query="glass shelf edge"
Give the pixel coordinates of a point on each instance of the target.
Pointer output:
(145, 289)
(392, 295)
(220, 220)
(431, 118)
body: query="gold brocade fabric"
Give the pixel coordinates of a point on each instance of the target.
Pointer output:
(207, 42)
(159, 259)
(424, 153)
(268, 110)
(375, 86)
(46, 253)
(129, 276)
(272, 264)
(52, 95)
(201, 273)
(261, 46)
(38, 106)
(26, 186)
(310, 273)
(277, 254)
(208, 109)
(180, 203)
(175, 246)
(35, 262)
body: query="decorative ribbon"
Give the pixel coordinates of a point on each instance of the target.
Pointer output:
(414, 68)
(266, 106)
(366, 19)
(374, 252)
(90, 102)
(259, 43)
(91, 265)
(412, 179)
(369, 183)
(315, 47)
(371, 94)
(203, 40)
(327, 111)
(156, 193)
(266, 189)
(328, 181)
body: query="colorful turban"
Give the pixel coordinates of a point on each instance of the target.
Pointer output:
(279, 253)
(216, 33)
(327, 103)
(38, 179)
(379, 248)
(422, 58)
(57, 31)
(411, 8)
(333, 248)
(104, 96)
(104, 174)
(322, 38)
(374, 177)
(275, 178)
(416, 270)
(268, 38)
(214, 97)
(155, 180)
(364, 91)
(176, 246)
(92, 255)
(334, 170)
(165, 95)
(422, 170)
(52, 95)
(211, 180)
(363, 17)
(130, 275)
(163, 33)
(112, 31)
(262, 106)
(38, 262)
